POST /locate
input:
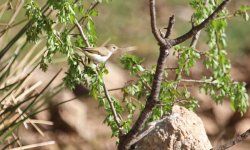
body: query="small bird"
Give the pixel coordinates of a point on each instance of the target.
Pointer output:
(100, 54)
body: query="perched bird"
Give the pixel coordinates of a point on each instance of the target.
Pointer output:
(100, 54)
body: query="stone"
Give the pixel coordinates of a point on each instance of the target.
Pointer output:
(181, 130)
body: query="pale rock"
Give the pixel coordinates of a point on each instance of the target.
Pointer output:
(74, 113)
(242, 126)
(222, 113)
(181, 130)
(210, 124)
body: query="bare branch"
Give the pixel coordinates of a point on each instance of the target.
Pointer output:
(195, 39)
(171, 68)
(16, 12)
(226, 17)
(112, 107)
(203, 24)
(82, 19)
(11, 26)
(77, 24)
(115, 89)
(234, 141)
(152, 101)
(82, 33)
(165, 45)
(154, 29)
(197, 81)
(170, 26)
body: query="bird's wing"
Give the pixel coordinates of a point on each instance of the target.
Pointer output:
(102, 51)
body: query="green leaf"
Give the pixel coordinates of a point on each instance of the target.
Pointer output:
(132, 63)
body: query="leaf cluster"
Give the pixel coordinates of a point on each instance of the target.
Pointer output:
(135, 93)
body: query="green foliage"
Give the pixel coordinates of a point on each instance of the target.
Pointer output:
(200, 12)
(61, 41)
(187, 56)
(243, 12)
(219, 85)
(66, 10)
(91, 31)
(132, 63)
(39, 21)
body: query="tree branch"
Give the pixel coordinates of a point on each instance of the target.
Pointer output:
(203, 24)
(197, 81)
(82, 33)
(152, 101)
(234, 141)
(154, 29)
(170, 26)
(82, 19)
(165, 45)
(112, 107)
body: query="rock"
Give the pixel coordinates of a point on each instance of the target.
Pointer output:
(181, 130)
(222, 113)
(205, 101)
(74, 113)
(242, 126)
(210, 124)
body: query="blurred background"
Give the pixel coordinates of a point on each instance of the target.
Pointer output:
(78, 125)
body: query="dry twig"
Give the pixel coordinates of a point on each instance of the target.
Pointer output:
(234, 141)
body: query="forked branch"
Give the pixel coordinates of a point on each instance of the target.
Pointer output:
(154, 28)
(202, 25)
(165, 44)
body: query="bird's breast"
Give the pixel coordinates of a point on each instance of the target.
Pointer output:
(98, 58)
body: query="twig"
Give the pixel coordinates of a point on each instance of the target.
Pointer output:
(171, 68)
(116, 89)
(225, 17)
(34, 145)
(234, 141)
(43, 122)
(16, 12)
(82, 33)
(154, 29)
(197, 81)
(16, 139)
(150, 127)
(82, 19)
(197, 35)
(203, 24)
(112, 107)
(170, 26)
(90, 8)
(12, 26)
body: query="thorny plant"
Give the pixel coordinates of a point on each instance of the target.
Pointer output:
(152, 91)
